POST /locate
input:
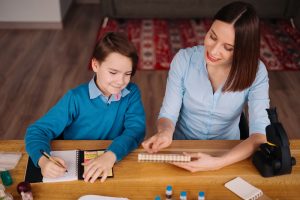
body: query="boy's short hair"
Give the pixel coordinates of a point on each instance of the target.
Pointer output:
(116, 42)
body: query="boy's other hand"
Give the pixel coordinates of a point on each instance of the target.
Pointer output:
(100, 166)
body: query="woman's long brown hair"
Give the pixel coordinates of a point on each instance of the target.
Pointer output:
(246, 45)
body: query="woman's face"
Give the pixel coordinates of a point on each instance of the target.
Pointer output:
(113, 74)
(219, 44)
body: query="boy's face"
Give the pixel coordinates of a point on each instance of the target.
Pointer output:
(113, 74)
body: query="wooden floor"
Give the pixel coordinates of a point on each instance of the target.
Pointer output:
(38, 66)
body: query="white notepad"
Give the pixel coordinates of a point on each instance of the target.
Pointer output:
(243, 189)
(99, 197)
(71, 159)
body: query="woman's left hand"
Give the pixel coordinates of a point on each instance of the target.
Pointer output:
(200, 162)
(99, 166)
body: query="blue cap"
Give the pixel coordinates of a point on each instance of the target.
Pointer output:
(169, 188)
(201, 194)
(183, 194)
(157, 198)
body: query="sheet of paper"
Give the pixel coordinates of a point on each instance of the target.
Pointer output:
(98, 197)
(70, 158)
(9, 160)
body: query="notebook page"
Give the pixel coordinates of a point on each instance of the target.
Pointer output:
(9, 160)
(70, 158)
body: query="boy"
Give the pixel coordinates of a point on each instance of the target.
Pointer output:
(109, 107)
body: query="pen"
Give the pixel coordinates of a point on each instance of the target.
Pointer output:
(52, 160)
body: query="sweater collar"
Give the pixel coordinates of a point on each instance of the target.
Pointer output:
(95, 92)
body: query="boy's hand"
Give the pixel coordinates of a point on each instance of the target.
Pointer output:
(50, 169)
(100, 166)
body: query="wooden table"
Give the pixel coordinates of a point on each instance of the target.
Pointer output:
(136, 180)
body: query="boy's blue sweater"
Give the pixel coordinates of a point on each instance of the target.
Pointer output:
(78, 117)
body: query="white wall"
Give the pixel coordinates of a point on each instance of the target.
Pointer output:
(33, 10)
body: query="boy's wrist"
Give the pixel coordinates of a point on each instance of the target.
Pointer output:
(41, 162)
(112, 155)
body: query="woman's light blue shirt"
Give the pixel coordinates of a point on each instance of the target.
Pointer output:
(199, 113)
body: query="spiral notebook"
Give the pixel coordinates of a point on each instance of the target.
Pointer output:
(163, 157)
(243, 189)
(73, 159)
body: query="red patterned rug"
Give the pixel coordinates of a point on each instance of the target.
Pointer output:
(158, 40)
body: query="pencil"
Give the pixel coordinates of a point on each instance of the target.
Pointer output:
(52, 160)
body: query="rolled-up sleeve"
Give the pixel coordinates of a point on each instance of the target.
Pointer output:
(258, 101)
(175, 87)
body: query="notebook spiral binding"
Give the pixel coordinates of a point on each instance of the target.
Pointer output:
(147, 157)
(77, 163)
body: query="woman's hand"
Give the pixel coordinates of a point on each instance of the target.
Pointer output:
(51, 170)
(100, 166)
(205, 162)
(162, 139)
(157, 142)
(200, 162)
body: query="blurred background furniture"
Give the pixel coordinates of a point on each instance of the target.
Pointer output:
(283, 9)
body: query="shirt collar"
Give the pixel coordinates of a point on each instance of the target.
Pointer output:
(200, 53)
(198, 59)
(94, 92)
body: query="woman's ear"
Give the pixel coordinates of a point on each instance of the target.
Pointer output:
(95, 64)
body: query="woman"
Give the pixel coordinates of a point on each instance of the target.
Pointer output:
(208, 87)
